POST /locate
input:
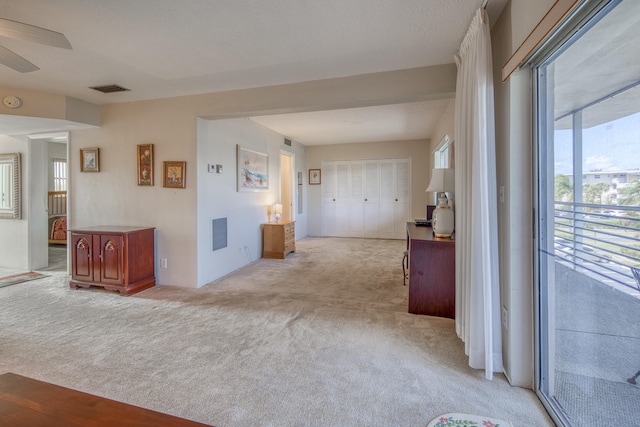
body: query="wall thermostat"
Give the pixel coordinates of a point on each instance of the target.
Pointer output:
(11, 101)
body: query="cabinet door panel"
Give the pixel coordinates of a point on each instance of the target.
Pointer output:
(81, 253)
(111, 259)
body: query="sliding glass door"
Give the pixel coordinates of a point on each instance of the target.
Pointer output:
(588, 228)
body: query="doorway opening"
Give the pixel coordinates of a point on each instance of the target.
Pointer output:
(287, 186)
(48, 247)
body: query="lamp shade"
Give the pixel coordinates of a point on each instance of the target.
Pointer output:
(442, 180)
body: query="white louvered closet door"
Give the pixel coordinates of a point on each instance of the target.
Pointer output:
(356, 199)
(335, 199)
(366, 198)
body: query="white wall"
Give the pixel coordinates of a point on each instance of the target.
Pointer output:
(525, 15)
(37, 203)
(514, 151)
(417, 151)
(446, 126)
(218, 197)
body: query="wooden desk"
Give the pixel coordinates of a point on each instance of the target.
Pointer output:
(432, 273)
(25, 402)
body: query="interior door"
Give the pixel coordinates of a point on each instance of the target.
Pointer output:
(366, 198)
(286, 186)
(356, 199)
(387, 198)
(372, 199)
(335, 199)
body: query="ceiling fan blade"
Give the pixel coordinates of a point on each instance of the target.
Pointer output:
(21, 31)
(15, 61)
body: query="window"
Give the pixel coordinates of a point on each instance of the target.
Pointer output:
(443, 157)
(443, 154)
(588, 228)
(59, 174)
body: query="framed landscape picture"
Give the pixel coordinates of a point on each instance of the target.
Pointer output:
(174, 174)
(145, 164)
(90, 159)
(253, 170)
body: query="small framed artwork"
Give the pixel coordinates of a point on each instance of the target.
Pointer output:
(175, 174)
(315, 176)
(145, 164)
(90, 159)
(253, 170)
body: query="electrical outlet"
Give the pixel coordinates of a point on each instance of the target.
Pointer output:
(505, 317)
(163, 262)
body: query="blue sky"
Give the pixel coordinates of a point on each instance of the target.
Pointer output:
(610, 146)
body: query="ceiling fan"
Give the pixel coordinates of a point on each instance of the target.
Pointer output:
(21, 31)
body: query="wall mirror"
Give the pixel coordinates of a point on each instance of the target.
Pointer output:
(10, 186)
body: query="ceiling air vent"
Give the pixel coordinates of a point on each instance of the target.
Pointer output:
(110, 88)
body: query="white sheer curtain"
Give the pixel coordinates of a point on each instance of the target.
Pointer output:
(477, 280)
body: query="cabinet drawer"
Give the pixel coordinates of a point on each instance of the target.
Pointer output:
(289, 229)
(289, 247)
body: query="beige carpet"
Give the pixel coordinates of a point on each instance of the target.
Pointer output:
(319, 339)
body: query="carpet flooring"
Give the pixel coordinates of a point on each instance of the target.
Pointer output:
(320, 338)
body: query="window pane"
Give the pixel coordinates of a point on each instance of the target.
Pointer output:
(60, 174)
(589, 222)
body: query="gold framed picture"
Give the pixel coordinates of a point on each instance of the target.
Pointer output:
(90, 159)
(174, 174)
(145, 164)
(315, 176)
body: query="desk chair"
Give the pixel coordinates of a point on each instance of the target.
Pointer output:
(405, 267)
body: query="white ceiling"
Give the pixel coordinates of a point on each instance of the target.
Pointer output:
(166, 48)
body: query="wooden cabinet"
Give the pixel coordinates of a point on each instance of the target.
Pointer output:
(278, 239)
(115, 258)
(432, 273)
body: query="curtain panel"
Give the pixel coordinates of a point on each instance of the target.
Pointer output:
(477, 275)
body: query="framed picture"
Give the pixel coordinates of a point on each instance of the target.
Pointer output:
(253, 170)
(315, 176)
(145, 164)
(175, 174)
(90, 160)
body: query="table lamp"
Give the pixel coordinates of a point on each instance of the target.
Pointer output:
(442, 182)
(277, 209)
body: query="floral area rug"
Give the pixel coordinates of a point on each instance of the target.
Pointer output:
(466, 420)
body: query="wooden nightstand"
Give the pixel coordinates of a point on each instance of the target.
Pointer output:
(279, 239)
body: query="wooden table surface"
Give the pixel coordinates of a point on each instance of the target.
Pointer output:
(30, 403)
